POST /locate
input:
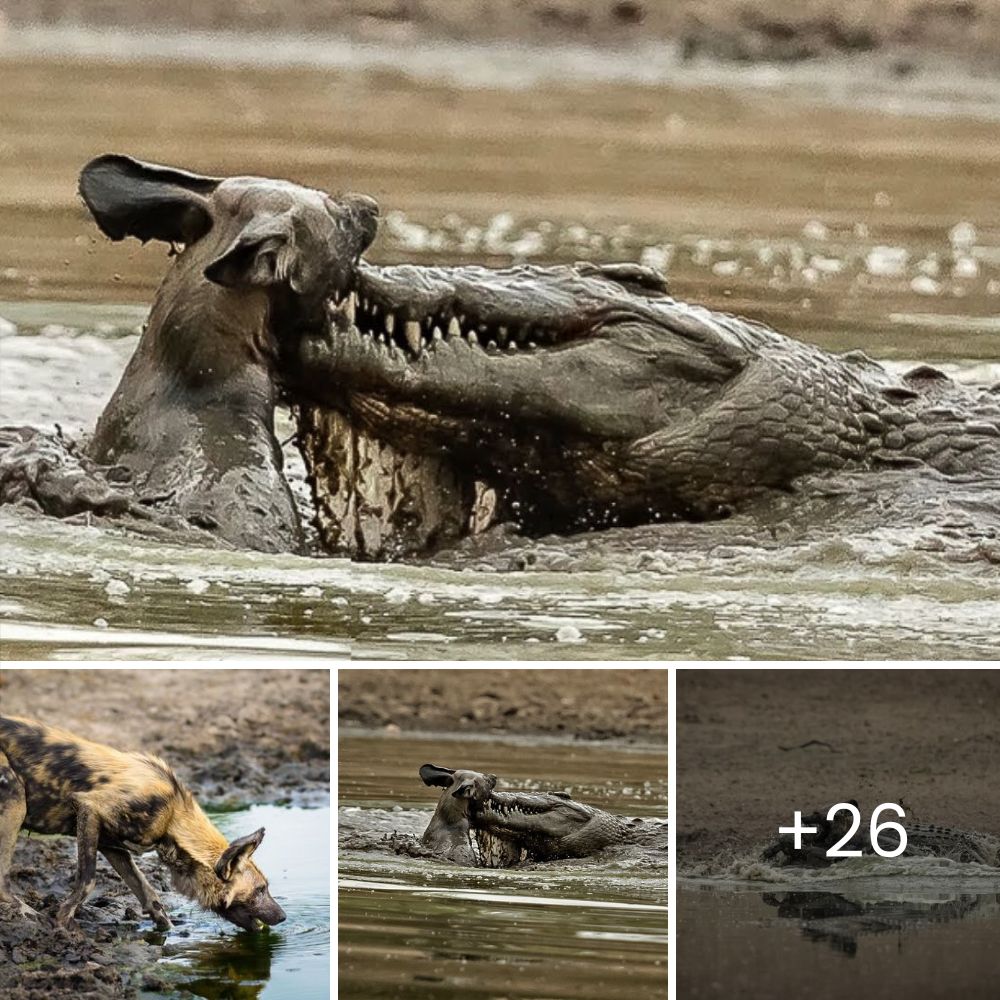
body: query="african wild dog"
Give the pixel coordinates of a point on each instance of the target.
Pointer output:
(119, 804)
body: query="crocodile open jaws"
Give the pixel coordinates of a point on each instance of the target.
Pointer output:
(570, 398)
(506, 828)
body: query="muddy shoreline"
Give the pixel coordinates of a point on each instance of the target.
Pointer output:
(753, 747)
(738, 30)
(235, 737)
(577, 704)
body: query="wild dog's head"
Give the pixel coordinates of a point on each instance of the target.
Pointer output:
(244, 898)
(283, 248)
(462, 789)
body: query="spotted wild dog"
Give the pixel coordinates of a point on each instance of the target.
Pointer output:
(122, 804)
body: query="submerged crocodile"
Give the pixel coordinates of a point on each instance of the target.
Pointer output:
(495, 829)
(563, 398)
(922, 840)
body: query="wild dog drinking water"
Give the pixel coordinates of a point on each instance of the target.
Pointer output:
(123, 803)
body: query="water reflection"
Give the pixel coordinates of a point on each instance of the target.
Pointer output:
(930, 934)
(234, 967)
(839, 920)
(289, 962)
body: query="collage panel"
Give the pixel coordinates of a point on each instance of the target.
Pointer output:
(165, 834)
(648, 351)
(502, 832)
(838, 833)
(499, 329)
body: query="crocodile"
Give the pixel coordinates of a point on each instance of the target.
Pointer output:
(475, 823)
(569, 398)
(922, 840)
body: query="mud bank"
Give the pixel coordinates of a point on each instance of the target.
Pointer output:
(104, 956)
(754, 747)
(744, 30)
(234, 736)
(584, 704)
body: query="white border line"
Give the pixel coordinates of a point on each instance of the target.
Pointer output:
(671, 833)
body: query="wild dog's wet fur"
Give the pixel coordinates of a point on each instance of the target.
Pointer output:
(449, 831)
(118, 803)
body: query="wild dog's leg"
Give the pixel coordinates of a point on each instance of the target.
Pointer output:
(13, 809)
(12, 812)
(125, 865)
(88, 830)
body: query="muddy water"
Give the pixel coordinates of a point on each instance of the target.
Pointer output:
(287, 962)
(831, 935)
(853, 226)
(69, 591)
(421, 928)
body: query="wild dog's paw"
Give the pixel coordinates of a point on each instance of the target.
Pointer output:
(160, 918)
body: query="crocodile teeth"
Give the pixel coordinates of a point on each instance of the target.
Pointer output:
(454, 327)
(472, 338)
(413, 337)
(348, 308)
(512, 347)
(437, 334)
(390, 323)
(502, 335)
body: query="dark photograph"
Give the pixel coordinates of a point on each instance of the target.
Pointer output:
(838, 833)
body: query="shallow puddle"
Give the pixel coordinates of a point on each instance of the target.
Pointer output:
(422, 928)
(828, 937)
(291, 961)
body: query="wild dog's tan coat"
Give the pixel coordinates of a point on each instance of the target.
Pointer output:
(54, 782)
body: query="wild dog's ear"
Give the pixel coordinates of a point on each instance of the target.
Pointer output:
(236, 854)
(130, 198)
(264, 254)
(431, 774)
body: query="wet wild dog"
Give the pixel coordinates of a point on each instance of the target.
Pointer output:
(121, 804)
